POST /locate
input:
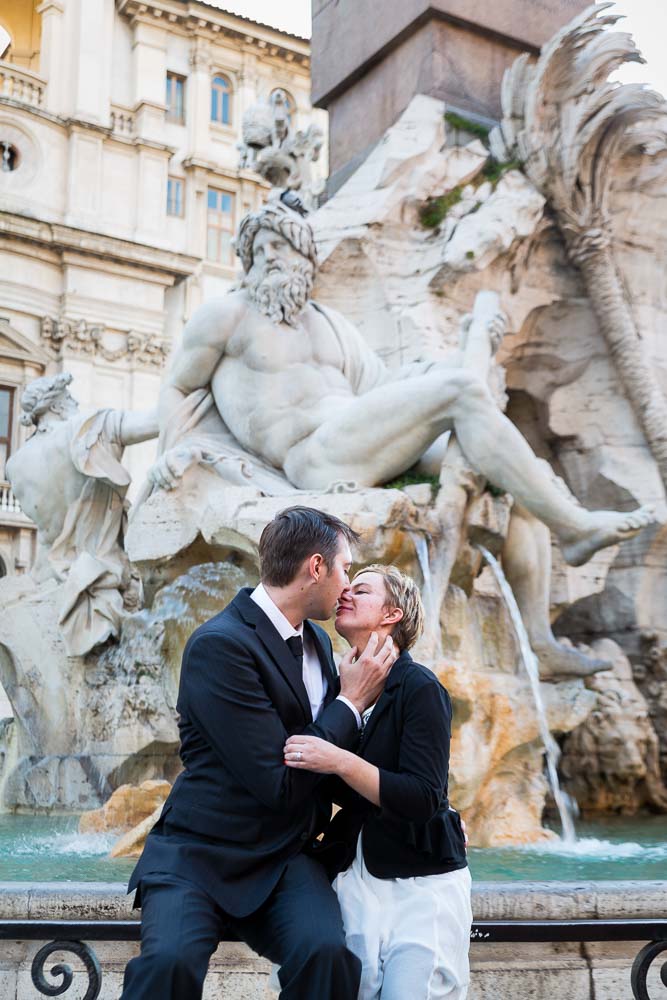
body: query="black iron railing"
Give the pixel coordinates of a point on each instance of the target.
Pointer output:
(73, 936)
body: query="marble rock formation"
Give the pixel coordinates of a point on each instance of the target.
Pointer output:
(131, 844)
(610, 762)
(128, 806)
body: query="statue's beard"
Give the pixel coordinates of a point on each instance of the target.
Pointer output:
(282, 292)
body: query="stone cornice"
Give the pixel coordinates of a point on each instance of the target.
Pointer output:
(60, 238)
(202, 19)
(81, 124)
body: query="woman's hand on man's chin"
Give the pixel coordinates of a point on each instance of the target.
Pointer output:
(310, 753)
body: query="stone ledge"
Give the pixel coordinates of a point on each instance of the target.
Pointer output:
(491, 900)
(599, 971)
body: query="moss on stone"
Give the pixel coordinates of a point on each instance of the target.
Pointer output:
(433, 211)
(493, 169)
(467, 125)
(413, 479)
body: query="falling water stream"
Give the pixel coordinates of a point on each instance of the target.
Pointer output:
(431, 592)
(532, 669)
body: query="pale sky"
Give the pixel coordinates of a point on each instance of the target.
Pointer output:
(646, 20)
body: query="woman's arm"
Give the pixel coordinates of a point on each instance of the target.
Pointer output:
(325, 758)
(414, 791)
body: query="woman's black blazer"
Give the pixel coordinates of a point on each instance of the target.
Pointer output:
(413, 831)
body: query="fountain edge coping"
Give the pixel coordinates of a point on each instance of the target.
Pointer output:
(491, 900)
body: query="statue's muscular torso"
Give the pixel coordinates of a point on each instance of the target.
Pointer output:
(273, 385)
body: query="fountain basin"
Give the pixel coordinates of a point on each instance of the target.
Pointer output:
(50, 849)
(500, 971)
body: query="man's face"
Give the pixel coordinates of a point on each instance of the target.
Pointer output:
(273, 254)
(333, 582)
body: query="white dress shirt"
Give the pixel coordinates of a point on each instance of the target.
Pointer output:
(313, 678)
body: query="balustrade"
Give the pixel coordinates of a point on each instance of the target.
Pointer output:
(21, 85)
(8, 502)
(122, 121)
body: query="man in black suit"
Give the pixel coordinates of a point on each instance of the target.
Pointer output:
(232, 848)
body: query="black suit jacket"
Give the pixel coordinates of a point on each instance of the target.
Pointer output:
(413, 832)
(237, 814)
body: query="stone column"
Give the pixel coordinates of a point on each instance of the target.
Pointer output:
(198, 99)
(52, 61)
(149, 57)
(90, 29)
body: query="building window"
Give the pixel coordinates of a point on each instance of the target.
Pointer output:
(290, 105)
(9, 156)
(3, 568)
(220, 226)
(221, 100)
(175, 99)
(174, 196)
(6, 410)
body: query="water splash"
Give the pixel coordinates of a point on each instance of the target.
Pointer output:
(530, 662)
(74, 844)
(593, 847)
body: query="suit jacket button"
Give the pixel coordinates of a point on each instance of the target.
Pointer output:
(305, 836)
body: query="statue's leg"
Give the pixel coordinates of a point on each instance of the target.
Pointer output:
(526, 559)
(370, 439)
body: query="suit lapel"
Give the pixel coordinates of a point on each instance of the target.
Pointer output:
(325, 662)
(276, 647)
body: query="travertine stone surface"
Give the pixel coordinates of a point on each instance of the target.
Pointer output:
(498, 973)
(128, 806)
(610, 762)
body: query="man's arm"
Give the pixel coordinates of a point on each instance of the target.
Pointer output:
(223, 695)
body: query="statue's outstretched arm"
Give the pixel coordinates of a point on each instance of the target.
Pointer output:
(139, 425)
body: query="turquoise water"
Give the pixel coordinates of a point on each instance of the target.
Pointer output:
(616, 849)
(38, 848)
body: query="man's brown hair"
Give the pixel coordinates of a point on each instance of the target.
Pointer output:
(293, 535)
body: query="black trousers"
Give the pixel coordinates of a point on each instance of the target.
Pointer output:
(299, 927)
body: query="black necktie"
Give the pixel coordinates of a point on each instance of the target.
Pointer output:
(295, 643)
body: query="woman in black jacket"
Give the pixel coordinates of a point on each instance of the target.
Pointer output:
(399, 849)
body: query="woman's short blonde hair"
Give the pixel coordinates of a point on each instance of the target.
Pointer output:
(402, 592)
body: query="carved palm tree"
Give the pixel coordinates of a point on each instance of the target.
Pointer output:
(568, 126)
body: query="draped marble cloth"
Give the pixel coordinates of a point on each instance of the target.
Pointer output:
(88, 554)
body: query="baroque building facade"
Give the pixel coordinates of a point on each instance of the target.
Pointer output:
(121, 186)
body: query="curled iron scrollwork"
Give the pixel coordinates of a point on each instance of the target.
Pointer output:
(84, 952)
(641, 966)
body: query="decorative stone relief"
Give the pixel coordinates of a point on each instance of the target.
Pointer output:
(66, 336)
(279, 155)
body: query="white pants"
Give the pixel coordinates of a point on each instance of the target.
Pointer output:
(411, 934)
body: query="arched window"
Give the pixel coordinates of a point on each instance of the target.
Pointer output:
(221, 100)
(290, 103)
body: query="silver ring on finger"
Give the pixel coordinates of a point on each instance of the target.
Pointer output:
(298, 755)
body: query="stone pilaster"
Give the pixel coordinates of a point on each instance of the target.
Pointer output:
(53, 64)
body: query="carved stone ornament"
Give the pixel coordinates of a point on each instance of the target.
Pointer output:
(80, 337)
(279, 155)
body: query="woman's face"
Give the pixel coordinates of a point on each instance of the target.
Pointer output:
(362, 607)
